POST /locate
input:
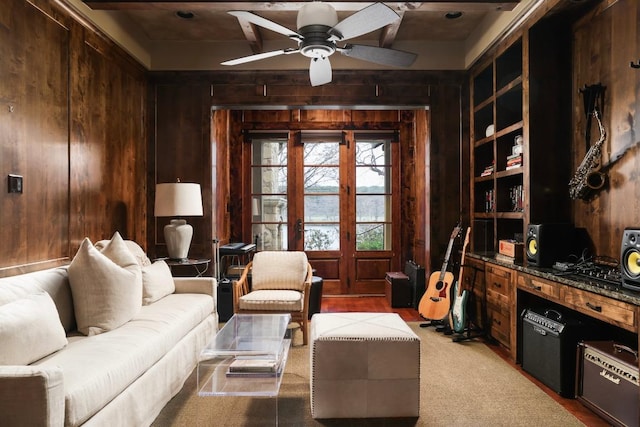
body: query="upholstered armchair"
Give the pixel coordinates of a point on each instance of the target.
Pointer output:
(280, 283)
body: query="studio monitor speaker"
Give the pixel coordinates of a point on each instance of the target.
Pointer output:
(548, 243)
(630, 259)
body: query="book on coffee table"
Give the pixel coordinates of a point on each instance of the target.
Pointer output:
(251, 367)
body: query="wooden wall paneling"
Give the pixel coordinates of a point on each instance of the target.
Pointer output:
(237, 181)
(183, 151)
(33, 141)
(444, 168)
(418, 188)
(602, 53)
(410, 187)
(107, 142)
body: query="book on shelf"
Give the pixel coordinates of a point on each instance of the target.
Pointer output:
(519, 165)
(487, 171)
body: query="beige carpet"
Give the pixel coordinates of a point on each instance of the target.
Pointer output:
(462, 384)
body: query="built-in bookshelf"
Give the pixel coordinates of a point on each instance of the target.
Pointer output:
(520, 127)
(498, 148)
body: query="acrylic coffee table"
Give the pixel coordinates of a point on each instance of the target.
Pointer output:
(245, 337)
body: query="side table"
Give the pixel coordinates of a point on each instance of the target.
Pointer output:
(199, 266)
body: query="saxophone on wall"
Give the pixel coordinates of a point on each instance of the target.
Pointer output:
(588, 177)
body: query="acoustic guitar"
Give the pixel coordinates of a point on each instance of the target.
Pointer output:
(435, 303)
(460, 296)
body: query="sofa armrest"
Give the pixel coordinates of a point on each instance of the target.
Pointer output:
(31, 396)
(196, 285)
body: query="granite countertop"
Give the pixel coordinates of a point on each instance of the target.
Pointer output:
(608, 290)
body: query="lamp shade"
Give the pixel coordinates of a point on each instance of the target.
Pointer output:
(178, 199)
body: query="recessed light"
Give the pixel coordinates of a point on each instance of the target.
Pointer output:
(453, 15)
(185, 14)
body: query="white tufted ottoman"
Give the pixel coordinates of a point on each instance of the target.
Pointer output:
(364, 365)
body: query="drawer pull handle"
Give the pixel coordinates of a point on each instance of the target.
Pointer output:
(536, 288)
(497, 285)
(597, 308)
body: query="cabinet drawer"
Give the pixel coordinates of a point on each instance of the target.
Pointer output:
(497, 298)
(500, 326)
(606, 309)
(498, 281)
(536, 285)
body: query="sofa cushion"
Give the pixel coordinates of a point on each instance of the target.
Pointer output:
(98, 368)
(141, 257)
(54, 281)
(30, 329)
(157, 282)
(106, 286)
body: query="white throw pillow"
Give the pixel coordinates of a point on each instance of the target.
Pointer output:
(106, 286)
(157, 282)
(30, 329)
(136, 250)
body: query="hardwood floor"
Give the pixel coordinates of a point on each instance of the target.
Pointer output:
(379, 304)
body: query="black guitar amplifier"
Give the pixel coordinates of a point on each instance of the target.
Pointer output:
(416, 275)
(608, 381)
(398, 289)
(549, 344)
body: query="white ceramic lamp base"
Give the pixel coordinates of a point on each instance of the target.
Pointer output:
(177, 235)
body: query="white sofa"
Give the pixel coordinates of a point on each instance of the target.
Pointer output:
(122, 376)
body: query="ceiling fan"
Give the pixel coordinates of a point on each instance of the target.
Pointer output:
(319, 31)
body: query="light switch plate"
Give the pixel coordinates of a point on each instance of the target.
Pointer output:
(15, 183)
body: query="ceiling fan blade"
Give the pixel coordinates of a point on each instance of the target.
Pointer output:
(265, 23)
(258, 56)
(364, 21)
(319, 71)
(379, 55)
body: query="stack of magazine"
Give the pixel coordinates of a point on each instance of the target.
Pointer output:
(254, 367)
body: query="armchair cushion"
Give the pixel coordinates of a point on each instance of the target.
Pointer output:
(279, 270)
(272, 300)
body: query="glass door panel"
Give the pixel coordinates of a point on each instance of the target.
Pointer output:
(269, 198)
(321, 196)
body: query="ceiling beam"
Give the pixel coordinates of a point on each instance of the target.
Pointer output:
(388, 35)
(294, 5)
(252, 34)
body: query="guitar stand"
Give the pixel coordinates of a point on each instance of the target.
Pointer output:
(470, 332)
(435, 323)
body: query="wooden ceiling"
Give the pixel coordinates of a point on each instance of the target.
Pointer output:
(209, 21)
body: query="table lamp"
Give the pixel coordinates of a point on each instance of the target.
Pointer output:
(178, 199)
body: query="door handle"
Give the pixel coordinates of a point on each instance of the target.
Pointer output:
(299, 228)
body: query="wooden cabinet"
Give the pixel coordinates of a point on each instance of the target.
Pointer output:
(499, 300)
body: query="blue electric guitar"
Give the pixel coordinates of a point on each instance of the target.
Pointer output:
(458, 315)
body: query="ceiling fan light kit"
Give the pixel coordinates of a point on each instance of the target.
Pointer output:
(319, 30)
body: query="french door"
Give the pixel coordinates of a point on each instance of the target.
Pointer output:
(330, 194)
